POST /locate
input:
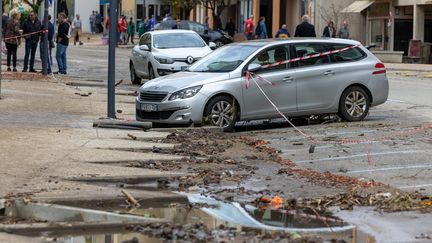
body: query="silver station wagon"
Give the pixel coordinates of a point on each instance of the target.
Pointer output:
(213, 91)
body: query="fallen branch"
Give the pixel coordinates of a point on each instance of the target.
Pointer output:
(119, 82)
(130, 200)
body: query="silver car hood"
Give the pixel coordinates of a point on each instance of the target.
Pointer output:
(181, 80)
(197, 52)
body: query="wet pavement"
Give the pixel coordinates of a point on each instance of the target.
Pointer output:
(246, 172)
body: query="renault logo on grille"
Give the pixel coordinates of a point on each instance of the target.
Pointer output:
(190, 59)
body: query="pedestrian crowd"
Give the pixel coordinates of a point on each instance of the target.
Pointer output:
(304, 29)
(31, 30)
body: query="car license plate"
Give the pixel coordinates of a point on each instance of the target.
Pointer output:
(149, 107)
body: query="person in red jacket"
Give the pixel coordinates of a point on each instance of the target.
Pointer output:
(249, 28)
(122, 29)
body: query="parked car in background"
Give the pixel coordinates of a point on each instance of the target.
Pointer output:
(219, 37)
(212, 90)
(160, 53)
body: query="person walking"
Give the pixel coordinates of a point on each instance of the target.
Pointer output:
(31, 27)
(63, 35)
(283, 32)
(92, 20)
(50, 45)
(122, 27)
(131, 31)
(142, 26)
(305, 29)
(329, 30)
(77, 28)
(261, 29)
(11, 30)
(98, 22)
(249, 28)
(151, 23)
(343, 31)
(230, 27)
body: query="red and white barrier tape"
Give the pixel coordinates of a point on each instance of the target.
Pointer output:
(19, 36)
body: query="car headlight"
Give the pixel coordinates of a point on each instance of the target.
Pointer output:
(164, 60)
(185, 93)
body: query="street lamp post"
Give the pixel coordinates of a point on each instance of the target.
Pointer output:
(111, 58)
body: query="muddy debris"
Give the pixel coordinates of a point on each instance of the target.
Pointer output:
(199, 232)
(390, 201)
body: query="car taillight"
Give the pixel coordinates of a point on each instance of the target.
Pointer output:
(380, 68)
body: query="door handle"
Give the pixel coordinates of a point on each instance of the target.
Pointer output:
(329, 72)
(288, 79)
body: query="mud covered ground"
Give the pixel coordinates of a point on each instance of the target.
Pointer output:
(232, 167)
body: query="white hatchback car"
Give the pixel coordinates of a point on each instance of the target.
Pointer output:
(164, 52)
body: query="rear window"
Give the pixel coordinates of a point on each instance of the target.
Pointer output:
(350, 55)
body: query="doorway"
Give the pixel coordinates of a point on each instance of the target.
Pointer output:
(266, 8)
(403, 33)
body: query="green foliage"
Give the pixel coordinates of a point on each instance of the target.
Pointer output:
(34, 4)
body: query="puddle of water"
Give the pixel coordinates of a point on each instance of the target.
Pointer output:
(243, 218)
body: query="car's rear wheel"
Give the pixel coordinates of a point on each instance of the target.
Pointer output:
(134, 78)
(221, 111)
(354, 104)
(151, 73)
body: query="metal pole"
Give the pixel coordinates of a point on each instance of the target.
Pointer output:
(45, 41)
(55, 16)
(111, 58)
(1, 38)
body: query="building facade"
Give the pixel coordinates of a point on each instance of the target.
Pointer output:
(392, 24)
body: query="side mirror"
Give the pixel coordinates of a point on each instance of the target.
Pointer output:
(144, 48)
(212, 45)
(253, 67)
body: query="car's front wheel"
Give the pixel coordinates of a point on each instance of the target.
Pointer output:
(221, 111)
(134, 78)
(354, 104)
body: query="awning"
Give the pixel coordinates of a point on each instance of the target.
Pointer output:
(358, 6)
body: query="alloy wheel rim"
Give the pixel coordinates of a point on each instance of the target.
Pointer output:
(222, 114)
(355, 104)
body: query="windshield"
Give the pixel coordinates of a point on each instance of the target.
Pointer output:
(177, 40)
(224, 59)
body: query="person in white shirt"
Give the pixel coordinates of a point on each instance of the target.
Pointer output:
(77, 27)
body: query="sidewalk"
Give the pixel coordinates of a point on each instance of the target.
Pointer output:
(408, 67)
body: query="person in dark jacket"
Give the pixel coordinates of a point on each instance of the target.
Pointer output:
(329, 30)
(63, 35)
(32, 27)
(230, 27)
(50, 45)
(12, 30)
(305, 29)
